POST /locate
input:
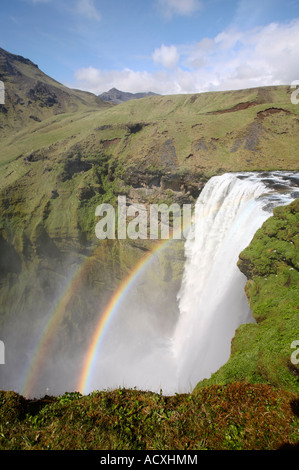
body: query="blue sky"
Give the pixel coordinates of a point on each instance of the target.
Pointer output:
(166, 46)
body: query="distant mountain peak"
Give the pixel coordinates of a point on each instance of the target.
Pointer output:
(31, 95)
(16, 58)
(117, 96)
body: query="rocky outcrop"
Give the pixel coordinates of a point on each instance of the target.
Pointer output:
(156, 185)
(44, 94)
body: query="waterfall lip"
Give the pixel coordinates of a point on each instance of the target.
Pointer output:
(281, 187)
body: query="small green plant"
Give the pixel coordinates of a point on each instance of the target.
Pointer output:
(68, 397)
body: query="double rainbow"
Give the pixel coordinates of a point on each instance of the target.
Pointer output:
(56, 317)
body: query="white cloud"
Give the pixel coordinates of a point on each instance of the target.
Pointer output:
(167, 56)
(270, 53)
(98, 81)
(197, 56)
(169, 8)
(87, 9)
(233, 59)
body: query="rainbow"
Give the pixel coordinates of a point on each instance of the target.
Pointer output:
(40, 352)
(56, 316)
(90, 361)
(106, 316)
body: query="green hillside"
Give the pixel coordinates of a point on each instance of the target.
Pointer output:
(150, 149)
(65, 151)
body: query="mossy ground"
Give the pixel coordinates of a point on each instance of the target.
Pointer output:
(239, 416)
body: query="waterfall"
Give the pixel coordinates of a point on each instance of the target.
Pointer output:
(212, 302)
(143, 347)
(169, 333)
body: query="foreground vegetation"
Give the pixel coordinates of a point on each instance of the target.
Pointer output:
(236, 416)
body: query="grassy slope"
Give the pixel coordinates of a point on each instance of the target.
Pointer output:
(179, 135)
(199, 125)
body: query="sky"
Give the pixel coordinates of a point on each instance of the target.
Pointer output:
(163, 46)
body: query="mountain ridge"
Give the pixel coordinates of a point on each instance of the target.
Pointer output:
(30, 94)
(117, 96)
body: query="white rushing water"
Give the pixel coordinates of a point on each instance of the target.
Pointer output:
(212, 302)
